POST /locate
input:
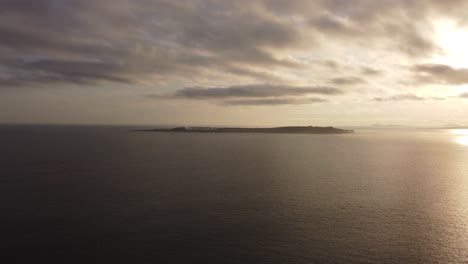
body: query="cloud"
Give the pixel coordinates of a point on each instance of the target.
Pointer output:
(90, 42)
(400, 25)
(155, 39)
(463, 95)
(272, 101)
(47, 71)
(248, 91)
(336, 25)
(439, 74)
(254, 94)
(330, 64)
(347, 80)
(412, 41)
(401, 97)
(370, 71)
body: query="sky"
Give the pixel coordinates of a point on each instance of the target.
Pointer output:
(246, 63)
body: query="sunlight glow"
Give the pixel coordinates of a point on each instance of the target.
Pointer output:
(460, 131)
(462, 140)
(462, 137)
(453, 39)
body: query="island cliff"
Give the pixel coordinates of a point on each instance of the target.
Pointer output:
(284, 130)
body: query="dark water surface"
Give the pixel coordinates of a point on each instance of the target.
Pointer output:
(106, 195)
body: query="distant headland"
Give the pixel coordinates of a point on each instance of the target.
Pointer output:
(284, 130)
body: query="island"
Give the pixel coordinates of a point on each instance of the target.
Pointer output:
(283, 130)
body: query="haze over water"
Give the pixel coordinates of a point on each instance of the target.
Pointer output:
(107, 195)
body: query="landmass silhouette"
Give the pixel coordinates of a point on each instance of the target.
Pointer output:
(284, 130)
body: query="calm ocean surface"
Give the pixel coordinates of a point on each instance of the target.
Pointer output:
(107, 195)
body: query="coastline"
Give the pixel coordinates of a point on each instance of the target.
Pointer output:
(281, 130)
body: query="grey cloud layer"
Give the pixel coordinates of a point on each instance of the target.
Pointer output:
(138, 40)
(255, 94)
(347, 80)
(370, 71)
(90, 42)
(255, 90)
(273, 101)
(401, 97)
(440, 74)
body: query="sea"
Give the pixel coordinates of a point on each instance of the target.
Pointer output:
(106, 194)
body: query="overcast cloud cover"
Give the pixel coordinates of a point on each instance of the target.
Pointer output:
(207, 55)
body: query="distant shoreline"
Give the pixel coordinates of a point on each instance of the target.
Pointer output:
(282, 130)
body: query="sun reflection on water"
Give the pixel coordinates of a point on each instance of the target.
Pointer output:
(462, 140)
(462, 136)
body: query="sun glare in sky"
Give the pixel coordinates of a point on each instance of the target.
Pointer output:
(453, 41)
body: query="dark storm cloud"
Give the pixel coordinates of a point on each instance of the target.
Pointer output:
(248, 91)
(440, 74)
(351, 80)
(84, 41)
(272, 101)
(401, 97)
